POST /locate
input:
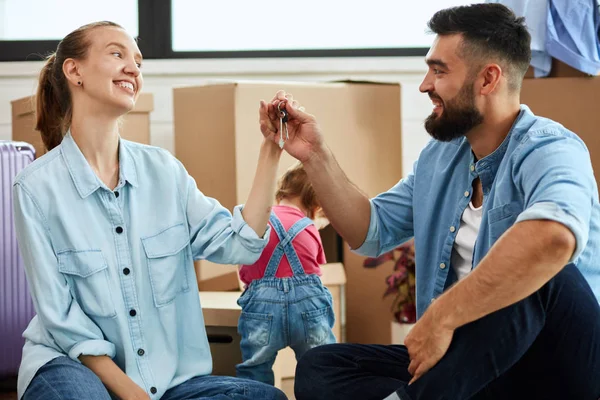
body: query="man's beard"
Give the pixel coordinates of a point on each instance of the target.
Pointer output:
(458, 117)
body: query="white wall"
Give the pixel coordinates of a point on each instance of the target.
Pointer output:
(160, 76)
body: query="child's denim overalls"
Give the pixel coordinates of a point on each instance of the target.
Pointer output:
(281, 312)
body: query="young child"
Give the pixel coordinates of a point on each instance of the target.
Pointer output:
(285, 303)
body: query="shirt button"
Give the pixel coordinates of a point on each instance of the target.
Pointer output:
(126, 271)
(442, 265)
(452, 229)
(472, 168)
(141, 352)
(153, 390)
(119, 230)
(116, 194)
(132, 313)
(467, 194)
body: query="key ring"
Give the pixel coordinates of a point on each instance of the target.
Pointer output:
(283, 118)
(282, 113)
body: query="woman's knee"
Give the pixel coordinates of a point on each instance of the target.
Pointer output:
(65, 379)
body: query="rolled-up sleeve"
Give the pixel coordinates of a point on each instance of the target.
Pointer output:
(391, 221)
(370, 246)
(247, 235)
(556, 177)
(59, 313)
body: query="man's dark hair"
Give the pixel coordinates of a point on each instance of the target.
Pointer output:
(491, 32)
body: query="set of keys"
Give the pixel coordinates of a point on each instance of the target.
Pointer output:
(283, 119)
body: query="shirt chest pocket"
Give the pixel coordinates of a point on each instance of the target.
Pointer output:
(88, 277)
(168, 263)
(501, 218)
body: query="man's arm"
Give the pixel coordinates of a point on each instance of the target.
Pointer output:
(363, 224)
(525, 258)
(346, 207)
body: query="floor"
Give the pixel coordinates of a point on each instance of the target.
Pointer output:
(287, 385)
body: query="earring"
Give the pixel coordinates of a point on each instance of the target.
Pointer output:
(79, 83)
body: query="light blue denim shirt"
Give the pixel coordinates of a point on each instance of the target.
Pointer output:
(540, 171)
(111, 272)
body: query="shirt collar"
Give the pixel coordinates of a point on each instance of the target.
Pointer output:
(81, 172)
(487, 167)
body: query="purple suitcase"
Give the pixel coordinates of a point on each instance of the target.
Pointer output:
(16, 307)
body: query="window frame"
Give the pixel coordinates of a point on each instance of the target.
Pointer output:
(155, 42)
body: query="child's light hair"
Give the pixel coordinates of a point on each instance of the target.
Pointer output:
(295, 183)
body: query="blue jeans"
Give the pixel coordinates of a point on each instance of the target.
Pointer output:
(65, 379)
(282, 312)
(544, 347)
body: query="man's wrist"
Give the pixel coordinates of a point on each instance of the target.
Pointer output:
(319, 156)
(443, 316)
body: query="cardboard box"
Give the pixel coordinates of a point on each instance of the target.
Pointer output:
(221, 314)
(221, 283)
(368, 314)
(573, 102)
(135, 125)
(558, 70)
(217, 138)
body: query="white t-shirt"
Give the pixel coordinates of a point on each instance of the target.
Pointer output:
(462, 252)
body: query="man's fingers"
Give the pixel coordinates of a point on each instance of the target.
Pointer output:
(412, 367)
(419, 372)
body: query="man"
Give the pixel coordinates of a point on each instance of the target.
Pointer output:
(503, 206)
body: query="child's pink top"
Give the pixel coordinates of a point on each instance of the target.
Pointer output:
(307, 244)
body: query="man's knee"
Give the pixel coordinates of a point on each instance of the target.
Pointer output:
(314, 358)
(310, 371)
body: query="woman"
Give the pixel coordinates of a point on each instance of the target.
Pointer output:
(109, 229)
